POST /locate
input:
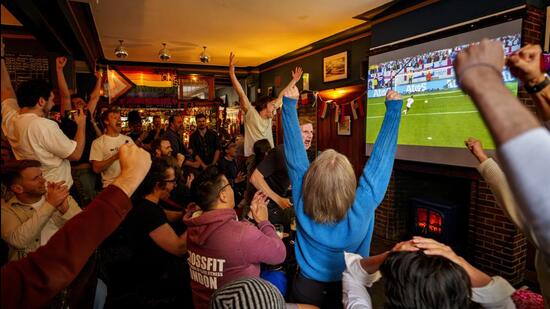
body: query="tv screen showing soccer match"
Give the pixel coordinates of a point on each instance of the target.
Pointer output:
(436, 116)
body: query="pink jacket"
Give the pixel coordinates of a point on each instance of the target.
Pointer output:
(222, 249)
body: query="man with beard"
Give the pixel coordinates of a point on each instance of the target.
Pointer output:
(31, 135)
(205, 143)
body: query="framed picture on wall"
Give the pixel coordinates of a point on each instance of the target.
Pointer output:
(344, 128)
(335, 67)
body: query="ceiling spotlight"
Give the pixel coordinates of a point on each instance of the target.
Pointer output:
(120, 51)
(164, 53)
(204, 57)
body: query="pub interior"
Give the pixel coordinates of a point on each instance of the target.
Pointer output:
(290, 154)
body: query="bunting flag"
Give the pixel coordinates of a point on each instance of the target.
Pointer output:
(353, 111)
(361, 112)
(343, 114)
(323, 110)
(304, 99)
(337, 113)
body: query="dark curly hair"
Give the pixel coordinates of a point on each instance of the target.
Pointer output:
(417, 280)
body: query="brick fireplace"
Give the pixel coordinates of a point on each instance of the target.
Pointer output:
(484, 235)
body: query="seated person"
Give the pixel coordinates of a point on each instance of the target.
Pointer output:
(140, 257)
(36, 211)
(422, 273)
(221, 248)
(27, 283)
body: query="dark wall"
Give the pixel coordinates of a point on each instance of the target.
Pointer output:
(436, 16)
(357, 51)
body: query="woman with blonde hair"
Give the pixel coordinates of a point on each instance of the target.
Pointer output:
(333, 214)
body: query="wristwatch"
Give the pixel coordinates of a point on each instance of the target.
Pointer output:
(538, 87)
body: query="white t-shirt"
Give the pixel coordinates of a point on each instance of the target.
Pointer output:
(105, 147)
(255, 128)
(410, 102)
(37, 138)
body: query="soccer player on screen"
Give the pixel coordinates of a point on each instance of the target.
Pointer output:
(410, 102)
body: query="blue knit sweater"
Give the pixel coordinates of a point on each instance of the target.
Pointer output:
(320, 247)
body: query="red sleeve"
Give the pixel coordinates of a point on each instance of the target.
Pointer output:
(32, 282)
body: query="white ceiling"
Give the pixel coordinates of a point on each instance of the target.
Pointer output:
(256, 30)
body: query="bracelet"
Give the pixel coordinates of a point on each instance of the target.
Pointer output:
(538, 87)
(480, 64)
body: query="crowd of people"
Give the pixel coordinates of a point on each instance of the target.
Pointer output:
(173, 228)
(425, 67)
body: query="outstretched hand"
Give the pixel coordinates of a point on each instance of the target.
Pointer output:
(525, 64)
(393, 95)
(232, 62)
(292, 92)
(297, 74)
(476, 148)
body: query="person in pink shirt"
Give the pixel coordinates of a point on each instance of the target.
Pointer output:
(220, 247)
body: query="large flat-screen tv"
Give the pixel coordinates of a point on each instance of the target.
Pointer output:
(437, 116)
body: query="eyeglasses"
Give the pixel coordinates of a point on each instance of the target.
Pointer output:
(223, 188)
(171, 180)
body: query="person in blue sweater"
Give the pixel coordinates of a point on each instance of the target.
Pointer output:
(333, 214)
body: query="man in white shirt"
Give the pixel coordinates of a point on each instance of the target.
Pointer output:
(34, 137)
(410, 102)
(258, 118)
(104, 153)
(36, 212)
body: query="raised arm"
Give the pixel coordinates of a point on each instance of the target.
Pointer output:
(296, 75)
(376, 174)
(7, 88)
(523, 145)
(478, 70)
(295, 151)
(64, 93)
(243, 99)
(94, 96)
(80, 137)
(525, 65)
